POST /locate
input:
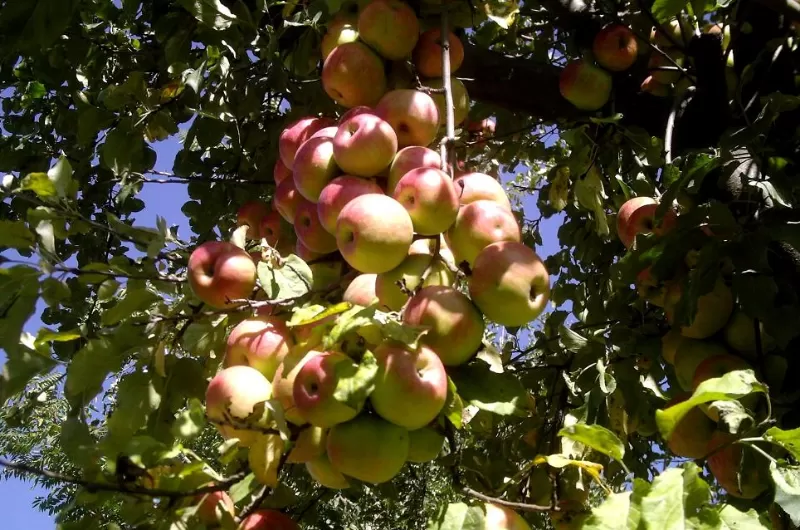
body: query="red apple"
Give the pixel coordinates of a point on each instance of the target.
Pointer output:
(364, 145)
(315, 385)
(736, 467)
(477, 225)
(327, 132)
(692, 434)
(355, 111)
(268, 520)
(280, 172)
(250, 214)
(211, 507)
(651, 86)
(409, 158)
(368, 448)
(314, 167)
(473, 187)
(482, 129)
(305, 253)
(286, 199)
(361, 290)
(353, 75)
(412, 114)
(231, 397)
(430, 198)
(259, 342)
(666, 77)
(584, 85)
(428, 53)
(637, 216)
(283, 383)
(296, 135)
(389, 27)
(309, 229)
(220, 272)
(615, 47)
(276, 231)
(338, 193)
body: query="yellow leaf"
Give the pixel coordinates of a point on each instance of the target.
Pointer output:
(264, 458)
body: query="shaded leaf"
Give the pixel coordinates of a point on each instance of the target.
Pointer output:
(501, 394)
(354, 385)
(597, 437)
(288, 280)
(210, 12)
(190, 421)
(789, 440)
(15, 234)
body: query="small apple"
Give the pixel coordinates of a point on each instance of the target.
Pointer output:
(286, 199)
(309, 229)
(296, 134)
(473, 187)
(455, 327)
(427, 246)
(338, 193)
(409, 158)
(353, 75)
(615, 47)
(315, 385)
(736, 467)
(498, 517)
(368, 448)
(342, 29)
(323, 472)
(663, 70)
(477, 225)
(460, 100)
(430, 198)
(637, 216)
(219, 271)
(211, 507)
(584, 85)
(232, 396)
(259, 342)
(713, 310)
(509, 283)
(361, 290)
(409, 274)
(268, 520)
(389, 27)
(374, 233)
(691, 352)
(692, 434)
(314, 167)
(424, 445)
(250, 214)
(412, 114)
(283, 383)
(364, 145)
(280, 172)
(428, 53)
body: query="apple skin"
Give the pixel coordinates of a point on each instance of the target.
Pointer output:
(478, 225)
(481, 129)
(455, 327)
(713, 310)
(364, 145)
(368, 448)
(409, 158)
(314, 387)
(268, 520)
(473, 187)
(637, 216)
(337, 194)
(509, 283)
(584, 85)
(690, 353)
(219, 271)
(615, 48)
(655, 88)
(740, 335)
(327, 132)
(410, 272)
(430, 198)
(499, 517)
(259, 342)
(310, 445)
(309, 229)
(666, 77)
(353, 75)
(389, 27)
(681, 32)
(411, 385)
(314, 167)
(305, 253)
(744, 480)
(460, 100)
(323, 472)
(277, 232)
(361, 290)
(355, 111)
(427, 246)
(670, 343)
(209, 511)
(286, 199)
(412, 114)
(342, 29)
(427, 54)
(692, 434)
(424, 445)
(283, 384)
(374, 233)
(296, 134)
(280, 172)
(234, 392)
(250, 214)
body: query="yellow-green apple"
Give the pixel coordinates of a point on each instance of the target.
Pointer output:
(280, 172)
(268, 520)
(323, 472)
(219, 271)
(314, 167)
(676, 33)
(455, 327)
(309, 228)
(315, 385)
(310, 444)
(736, 467)
(663, 70)
(250, 214)
(509, 283)
(338, 193)
(424, 444)
(428, 53)
(460, 100)
(211, 507)
(283, 383)
(409, 274)
(353, 75)
(374, 233)
(740, 335)
(497, 517)
(427, 246)
(477, 225)
(286, 199)
(584, 85)
(361, 290)
(364, 145)
(296, 135)
(615, 47)
(390, 27)
(409, 158)
(638, 216)
(342, 29)
(368, 448)
(473, 187)
(411, 385)
(670, 343)
(412, 114)
(651, 86)
(259, 342)
(692, 434)
(430, 198)
(355, 111)
(713, 310)
(690, 353)
(231, 398)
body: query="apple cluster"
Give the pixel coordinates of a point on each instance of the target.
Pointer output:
(718, 339)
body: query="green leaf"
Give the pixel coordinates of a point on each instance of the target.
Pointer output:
(351, 320)
(54, 291)
(354, 384)
(289, 280)
(123, 150)
(789, 440)
(210, 12)
(137, 298)
(90, 366)
(45, 335)
(136, 398)
(15, 234)
(678, 498)
(190, 421)
(613, 514)
(501, 394)
(61, 176)
(40, 184)
(597, 437)
(731, 386)
(393, 329)
(19, 290)
(205, 338)
(734, 519)
(76, 441)
(664, 10)
(46, 23)
(20, 367)
(787, 489)
(454, 406)
(572, 341)
(458, 516)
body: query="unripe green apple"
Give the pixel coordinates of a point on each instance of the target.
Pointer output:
(424, 445)
(409, 273)
(390, 27)
(368, 448)
(429, 197)
(585, 85)
(342, 29)
(323, 472)
(740, 335)
(713, 310)
(473, 187)
(478, 225)
(365, 145)
(259, 342)
(310, 445)
(499, 517)
(231, 397)
(409, 158)
(220, 271)
(353, 75)
(412, 114)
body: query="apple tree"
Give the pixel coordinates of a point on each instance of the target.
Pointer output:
(450, 265)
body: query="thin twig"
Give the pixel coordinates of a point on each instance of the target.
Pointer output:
(450, 133)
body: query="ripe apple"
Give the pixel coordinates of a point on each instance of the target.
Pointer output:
(651, 86)
(740, 335)
(736, 467)
(277, 232)
(691, 352)
(412, 114)
(665, 77)
(259, 342)
(219, 271)
(455, 327)
(355, 111)
(477, 225)
(473, 187)
(411, 385)
(315, 385)
(211, 507)
(305, 253)
(232, 396)
(585, 85)
(268, 520)
(338, 193)
(424, 444)
(460, 100)
(296, 134)
(353, 75)
(481, 129)
(409, 274)
(314, 167)
(286, 199)
(499, 517)
(374, 233)
(327, 132)
(309, 229)
(368, 448)
(427, 246)
(615, 48)
(280, 172)
(509, 283)
(342, 29)
(430, 198)
(310, 445)
(670, 343)
(323, 472)
(389, 27)
(692, 434)
(713, 310)
(637, 216)
(364, 145)
(250, 214)
(428, 53)
(409, 158)
(361, 290)
(283, 384)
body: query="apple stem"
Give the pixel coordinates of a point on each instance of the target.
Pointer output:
(450, 133)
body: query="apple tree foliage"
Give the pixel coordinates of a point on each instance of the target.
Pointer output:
(103, 404)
